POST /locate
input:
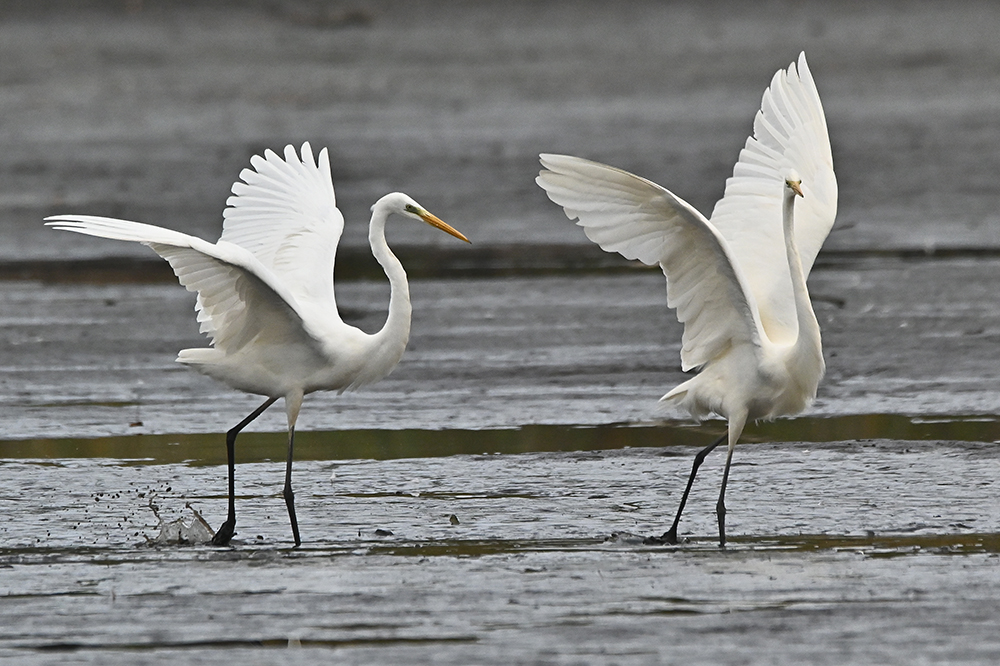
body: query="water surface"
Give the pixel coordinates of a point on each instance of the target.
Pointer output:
(506, 557)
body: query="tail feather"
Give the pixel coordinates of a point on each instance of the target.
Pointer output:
(685, 396)
(200, 356)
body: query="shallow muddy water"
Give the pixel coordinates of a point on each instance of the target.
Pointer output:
(863, 531)
(900, 336)
(435, 531)
(870, 551)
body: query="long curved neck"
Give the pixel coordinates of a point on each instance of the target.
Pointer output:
(805, 317)
(396, 330)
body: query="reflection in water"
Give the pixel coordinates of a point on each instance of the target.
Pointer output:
(209, 449)
(870, 545)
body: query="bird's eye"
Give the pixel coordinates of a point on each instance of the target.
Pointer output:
(410, 208)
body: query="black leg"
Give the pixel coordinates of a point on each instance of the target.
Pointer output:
(720, 507)
(670, 536)
(228, 529)
(289, 495)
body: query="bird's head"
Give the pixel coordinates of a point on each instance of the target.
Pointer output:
(793, 182)
(402, 204)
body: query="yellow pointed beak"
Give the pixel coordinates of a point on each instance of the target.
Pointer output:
(796, 186)
(438, 223)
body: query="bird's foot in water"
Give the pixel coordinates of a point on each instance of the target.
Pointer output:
(225, 533)
(668, 538)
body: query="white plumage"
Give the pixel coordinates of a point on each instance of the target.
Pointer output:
(737, 281)
(265, 289)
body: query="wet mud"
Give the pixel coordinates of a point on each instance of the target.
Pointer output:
(511, 559)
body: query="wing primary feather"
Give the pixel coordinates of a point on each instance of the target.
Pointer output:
(789, 132)
(284, 211)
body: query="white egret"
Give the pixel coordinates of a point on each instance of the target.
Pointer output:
(737, 281)
(266, 296)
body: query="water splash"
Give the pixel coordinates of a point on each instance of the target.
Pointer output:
(181, 532)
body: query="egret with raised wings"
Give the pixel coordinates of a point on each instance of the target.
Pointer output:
(737, 280)
(265, 292)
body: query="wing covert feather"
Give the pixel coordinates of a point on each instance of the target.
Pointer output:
(228, 279)
(227, 293)
(640, 220)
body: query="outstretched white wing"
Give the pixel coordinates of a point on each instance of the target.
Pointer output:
(230, 282)
(789, 133)
(640, 220)
(284, 211)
